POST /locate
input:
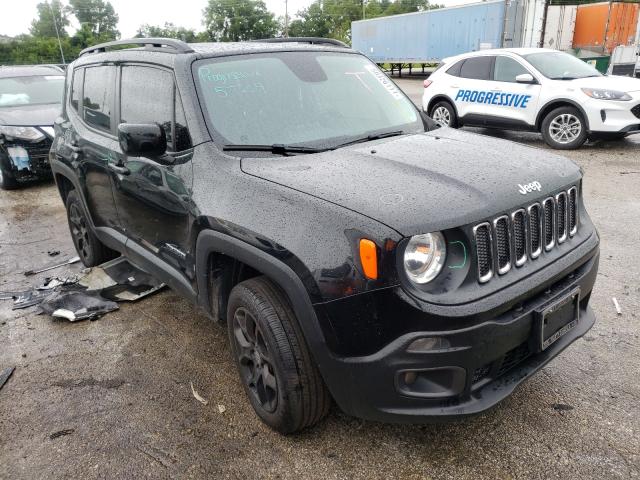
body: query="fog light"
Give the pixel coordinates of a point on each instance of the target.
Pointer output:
(410, 377)
(426, 344)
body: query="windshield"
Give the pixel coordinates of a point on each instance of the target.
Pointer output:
(36, 90)
(317, 99)
(561, 66)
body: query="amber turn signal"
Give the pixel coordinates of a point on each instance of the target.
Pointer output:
(369, 258)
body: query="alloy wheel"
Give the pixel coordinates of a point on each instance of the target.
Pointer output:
(79, 232)
(565, 128)
(441, 116)
(256, 364)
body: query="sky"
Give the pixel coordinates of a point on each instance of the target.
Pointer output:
(16, 18)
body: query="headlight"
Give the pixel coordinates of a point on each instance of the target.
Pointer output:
(602, 94)
(22, 133)
(424, 257)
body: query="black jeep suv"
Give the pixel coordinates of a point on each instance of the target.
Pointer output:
(30, 100)
(354, 251)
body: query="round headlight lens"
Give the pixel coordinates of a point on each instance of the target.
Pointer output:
(424, 257)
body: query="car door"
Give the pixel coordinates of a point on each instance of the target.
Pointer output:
(154, 200)
(87, 141)
(471, 88)
(514, 104)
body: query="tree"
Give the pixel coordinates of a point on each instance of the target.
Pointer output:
(50, 16)
(238, 20)
(168, 31)
(97, 17)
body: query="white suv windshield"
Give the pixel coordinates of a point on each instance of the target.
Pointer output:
(36, 90)
(300, 98)
(561, 66)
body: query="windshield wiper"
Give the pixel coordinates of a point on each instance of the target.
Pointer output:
(276, 148)
(369, 138)
(563, 78)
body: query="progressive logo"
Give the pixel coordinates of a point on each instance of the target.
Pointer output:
(493, 98)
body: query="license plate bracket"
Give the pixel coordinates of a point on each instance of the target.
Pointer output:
(557, 319)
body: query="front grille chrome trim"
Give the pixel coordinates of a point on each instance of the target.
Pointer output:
(572, 199)
(507, 266)
(548, 245)
(519, 261)
(486, 277)
(562, 231)
(535, 253)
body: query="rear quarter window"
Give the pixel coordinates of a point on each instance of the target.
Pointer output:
(76, 88)
(98, 93)
(477, 68)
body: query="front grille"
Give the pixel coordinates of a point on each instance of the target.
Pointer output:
(636, 110)
(38, 154)
(513, 239)
(484, 254)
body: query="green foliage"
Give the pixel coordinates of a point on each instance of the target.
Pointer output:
(332, 18)
(168, 31)
(238, 20)
(50, 16)
(96, 16)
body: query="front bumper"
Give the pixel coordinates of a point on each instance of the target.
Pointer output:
(34, 161)
(607, 116)
(478, 366)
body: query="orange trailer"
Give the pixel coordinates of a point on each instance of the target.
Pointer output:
(603, 26)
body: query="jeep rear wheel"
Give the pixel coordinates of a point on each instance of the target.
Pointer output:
(279, 376)
(91, 251)
(444, 114)
(564, 128)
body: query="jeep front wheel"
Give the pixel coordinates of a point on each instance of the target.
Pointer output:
(279, 376)
(564, 128)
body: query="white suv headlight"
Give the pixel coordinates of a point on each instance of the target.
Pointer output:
(424, 257)
(22, 133)
(604, 94)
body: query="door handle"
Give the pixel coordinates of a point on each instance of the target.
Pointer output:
(119, 169)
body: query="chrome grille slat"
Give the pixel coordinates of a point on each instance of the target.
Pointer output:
(503, 244)
(519, 223)
(484, 251)
(525, 233)
(561, 216)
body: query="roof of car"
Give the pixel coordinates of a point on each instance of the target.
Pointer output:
(497, 51)
(29, 70)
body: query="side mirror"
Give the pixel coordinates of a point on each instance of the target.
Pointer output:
(525, 78)
(142, 139)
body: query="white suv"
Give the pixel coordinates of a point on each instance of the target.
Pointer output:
(533, 89)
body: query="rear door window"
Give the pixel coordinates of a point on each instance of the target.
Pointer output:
(98, 96)
(477, 68)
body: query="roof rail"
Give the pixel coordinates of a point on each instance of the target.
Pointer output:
(310, 40)
(178, 46)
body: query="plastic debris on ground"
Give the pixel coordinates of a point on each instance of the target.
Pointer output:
(88, 296)
(197, 396)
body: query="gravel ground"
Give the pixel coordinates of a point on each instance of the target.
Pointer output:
(112, 398)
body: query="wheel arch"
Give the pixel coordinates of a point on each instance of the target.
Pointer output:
(557, 103)
(439, 98)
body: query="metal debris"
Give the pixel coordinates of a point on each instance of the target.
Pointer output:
(4, 376)
(61, 433)
(617, 305)
(51, 267)
(197, 396)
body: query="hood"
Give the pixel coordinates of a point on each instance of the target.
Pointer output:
(613, 82)
(420, 183)
(30, 115)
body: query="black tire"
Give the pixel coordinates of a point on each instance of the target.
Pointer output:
(276, 369)
(91, 251)
(7, 180)
(445, 113)
(564, 128)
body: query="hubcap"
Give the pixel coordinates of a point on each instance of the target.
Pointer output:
(79, 232)
(442, 116)
(565, 128)
(256, 364)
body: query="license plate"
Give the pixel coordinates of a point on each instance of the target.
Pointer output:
(558, 319)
